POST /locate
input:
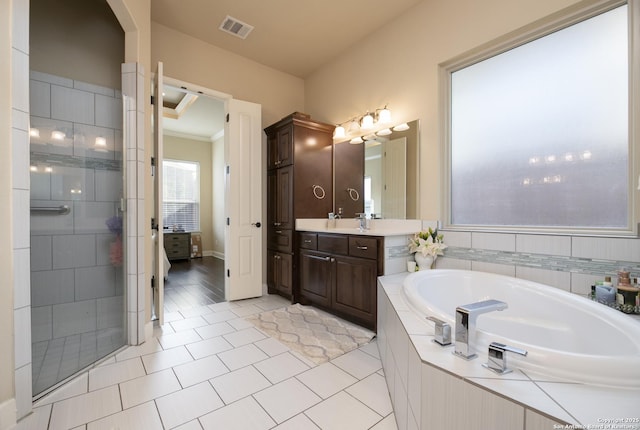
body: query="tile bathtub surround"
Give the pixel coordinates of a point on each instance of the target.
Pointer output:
(426, 382)
(225, 374)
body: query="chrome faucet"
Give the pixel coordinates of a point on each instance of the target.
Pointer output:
(497, 357)
(466, 317)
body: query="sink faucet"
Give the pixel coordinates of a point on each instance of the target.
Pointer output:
(466, 316)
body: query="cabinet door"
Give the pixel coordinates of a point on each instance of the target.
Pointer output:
(272, 151)
(279, 273)
(284, 198)
(316, 277)
(354, 291)
(285, 146)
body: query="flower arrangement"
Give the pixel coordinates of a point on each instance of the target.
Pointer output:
(428, 243)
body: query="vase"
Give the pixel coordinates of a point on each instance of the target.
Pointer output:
(424, 263)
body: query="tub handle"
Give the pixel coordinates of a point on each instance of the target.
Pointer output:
(497, 357)
(443, 332)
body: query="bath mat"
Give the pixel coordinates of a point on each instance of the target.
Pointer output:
(317, 335)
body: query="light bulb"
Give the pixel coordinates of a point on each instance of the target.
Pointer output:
(384, 116)
(367, 121)
(339, 132)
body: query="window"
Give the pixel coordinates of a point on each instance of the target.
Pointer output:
(539, 133)
(181, 195)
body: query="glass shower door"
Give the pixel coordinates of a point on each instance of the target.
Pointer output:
(77, 238)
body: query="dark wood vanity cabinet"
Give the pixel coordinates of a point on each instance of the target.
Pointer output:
(338, 273)
(299, 185)
(280, 272)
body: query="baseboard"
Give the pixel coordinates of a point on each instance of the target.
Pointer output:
(8, 415)
(217, 254)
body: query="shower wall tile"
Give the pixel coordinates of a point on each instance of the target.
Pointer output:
(553, 278)
(41, 324)
(108, 111)
(48, 224)
(41, 253)
(19, 81)
(494, 241)
(20, 157)
(90, 217)
(21, 275)
(95, 282)
(40, 99)
(20, 32)
(108, 186)
(92, 88)
(40, 185)
(45, 143)
(52, 287)
(72, 251)
(73, 105)
(84, 141)
(103, 245)
(74, 318)
(20, 209)
(543, 244)
(52, 79)
(22, 344)
(72, 183)
(110, 312)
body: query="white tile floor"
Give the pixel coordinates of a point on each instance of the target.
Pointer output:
(208, 368)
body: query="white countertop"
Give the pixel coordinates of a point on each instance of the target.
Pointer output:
(377, 227)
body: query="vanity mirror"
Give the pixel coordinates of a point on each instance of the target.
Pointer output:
(379, 176)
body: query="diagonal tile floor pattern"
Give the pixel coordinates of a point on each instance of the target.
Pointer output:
(208, 368)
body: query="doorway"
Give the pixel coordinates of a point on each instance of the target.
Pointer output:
(193, 197)
(78, 238)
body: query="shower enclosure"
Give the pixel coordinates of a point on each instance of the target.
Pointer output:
(78, 307)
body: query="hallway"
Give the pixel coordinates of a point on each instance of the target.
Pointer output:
(209, 368)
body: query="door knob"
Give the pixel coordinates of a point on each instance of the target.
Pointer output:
(257, 224)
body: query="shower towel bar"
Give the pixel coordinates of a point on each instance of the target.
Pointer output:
(59, 210)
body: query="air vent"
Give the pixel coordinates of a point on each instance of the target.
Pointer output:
(235, 27)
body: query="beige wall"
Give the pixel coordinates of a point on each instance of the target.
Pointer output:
(406, 54)
(6, 245)
(218, 197)
(196, 62)
(180, 148)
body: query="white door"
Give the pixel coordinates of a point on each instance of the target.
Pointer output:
(243, 200)
(394, 178)
(158, 247)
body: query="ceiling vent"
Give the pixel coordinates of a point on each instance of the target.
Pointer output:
(235, 27)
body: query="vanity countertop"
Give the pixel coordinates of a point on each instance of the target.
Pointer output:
(377, 227)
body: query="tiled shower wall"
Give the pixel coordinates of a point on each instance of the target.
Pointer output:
(77, 293)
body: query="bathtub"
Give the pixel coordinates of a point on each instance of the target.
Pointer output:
(567, 336)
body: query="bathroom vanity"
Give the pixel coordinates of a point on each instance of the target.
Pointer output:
(338, 273)
(336, 269)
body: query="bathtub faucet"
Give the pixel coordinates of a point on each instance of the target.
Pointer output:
(466, 316)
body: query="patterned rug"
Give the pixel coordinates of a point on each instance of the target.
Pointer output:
(317, 335)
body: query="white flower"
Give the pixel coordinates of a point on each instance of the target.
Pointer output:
(428, 243)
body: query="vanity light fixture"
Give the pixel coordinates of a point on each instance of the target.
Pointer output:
(368, 121)
(356, 140)
(339, 133)
(401, 127)
(384, 132)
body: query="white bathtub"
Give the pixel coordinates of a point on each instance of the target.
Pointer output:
(567, 336)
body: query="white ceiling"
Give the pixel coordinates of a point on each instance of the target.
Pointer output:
(295, 37)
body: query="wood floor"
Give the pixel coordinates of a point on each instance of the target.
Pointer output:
(195, 282)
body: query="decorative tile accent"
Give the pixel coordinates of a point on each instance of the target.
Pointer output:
(560, 263)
